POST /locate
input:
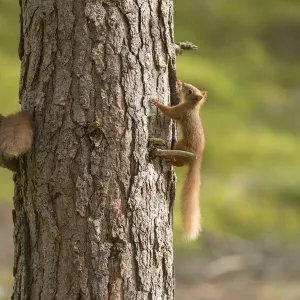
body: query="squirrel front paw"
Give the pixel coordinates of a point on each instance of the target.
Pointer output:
(155, 101)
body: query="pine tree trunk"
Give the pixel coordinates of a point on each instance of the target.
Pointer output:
(92, 211)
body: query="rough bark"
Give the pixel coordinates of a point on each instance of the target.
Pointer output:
(91, 213)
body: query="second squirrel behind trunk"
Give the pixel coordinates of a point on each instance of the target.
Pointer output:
(16, 135)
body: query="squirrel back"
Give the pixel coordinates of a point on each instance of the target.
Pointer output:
(16, 134)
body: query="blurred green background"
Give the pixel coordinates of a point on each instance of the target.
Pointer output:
(249, 62)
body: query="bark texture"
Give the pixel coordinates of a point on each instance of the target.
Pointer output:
(91, 213)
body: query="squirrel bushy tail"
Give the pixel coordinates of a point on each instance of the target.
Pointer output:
(16, 134)
(190, 201)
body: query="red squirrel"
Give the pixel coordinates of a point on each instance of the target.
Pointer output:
(186, 113)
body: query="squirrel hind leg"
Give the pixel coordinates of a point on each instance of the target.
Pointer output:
(179, 161)
(10, 163)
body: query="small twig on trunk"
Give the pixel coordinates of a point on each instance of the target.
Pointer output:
(157, 142)
(184, 46)
(171, 153)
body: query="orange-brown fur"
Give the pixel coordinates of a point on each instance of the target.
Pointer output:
(187, 115)
(16, 134)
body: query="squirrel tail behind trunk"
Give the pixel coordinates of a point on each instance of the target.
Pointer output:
(16, 134)
(190, 201)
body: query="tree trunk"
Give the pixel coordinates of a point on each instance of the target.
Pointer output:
(92, 211)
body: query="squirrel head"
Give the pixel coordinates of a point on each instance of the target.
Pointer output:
(191, 94)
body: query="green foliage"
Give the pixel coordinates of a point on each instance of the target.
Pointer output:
(248, 61)
(9, 28)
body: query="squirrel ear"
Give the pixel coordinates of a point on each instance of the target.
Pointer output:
(200, 97)
(204, 93)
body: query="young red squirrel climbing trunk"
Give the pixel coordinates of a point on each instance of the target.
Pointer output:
(187, 115)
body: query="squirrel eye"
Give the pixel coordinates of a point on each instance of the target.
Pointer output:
(190, 92)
